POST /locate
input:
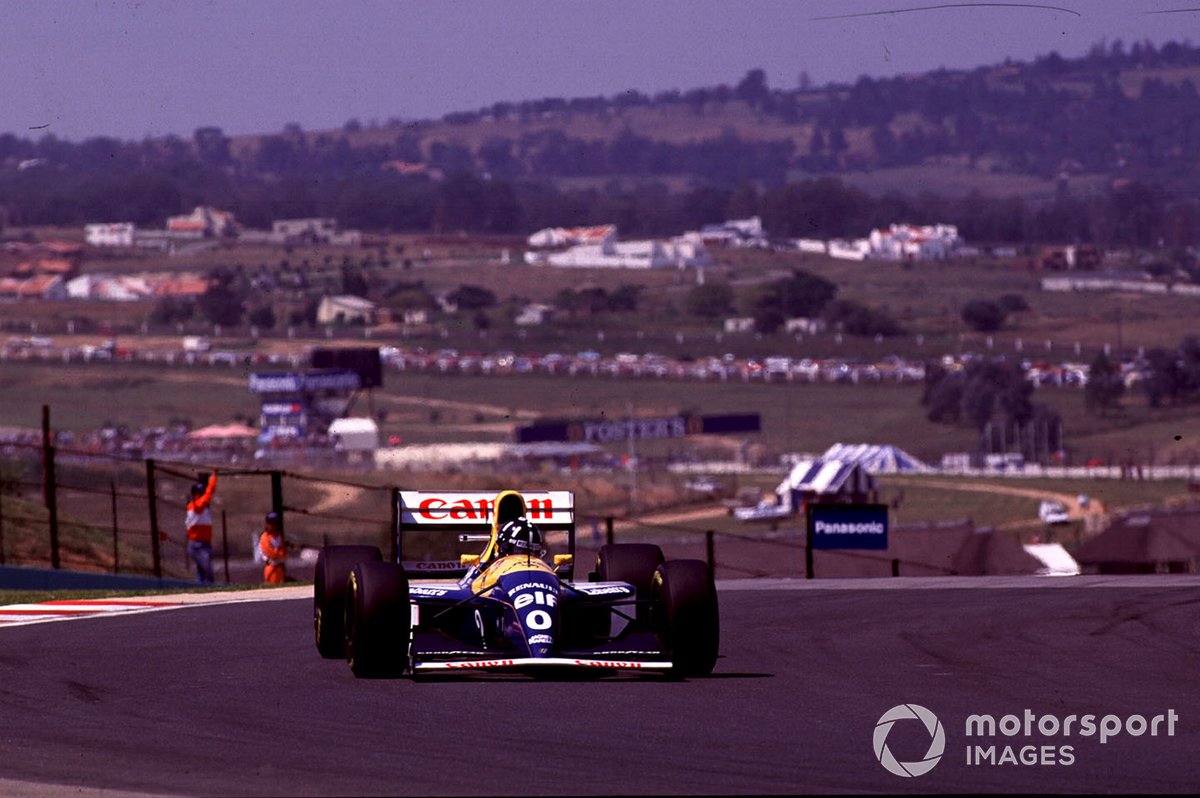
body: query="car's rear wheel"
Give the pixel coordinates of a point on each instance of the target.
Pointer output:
(633, 563)
(378, 619)
(329, 595)
(686, 616)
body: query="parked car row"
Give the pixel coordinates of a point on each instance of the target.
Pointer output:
(891, 368)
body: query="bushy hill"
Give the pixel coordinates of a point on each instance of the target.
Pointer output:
(1130, 112)
(1103, 148)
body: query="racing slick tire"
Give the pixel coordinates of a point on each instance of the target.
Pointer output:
(378, 619)
(329, 595)
(633, 563)
(686, 617)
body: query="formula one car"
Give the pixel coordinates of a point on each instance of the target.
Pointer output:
(514, 607)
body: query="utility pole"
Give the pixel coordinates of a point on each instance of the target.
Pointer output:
(633, 464)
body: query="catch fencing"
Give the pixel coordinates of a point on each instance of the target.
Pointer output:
(98, 511)
(80, 510)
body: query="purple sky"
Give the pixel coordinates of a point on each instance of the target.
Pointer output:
(131, 69)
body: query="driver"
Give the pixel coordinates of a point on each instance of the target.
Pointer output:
(520, 536)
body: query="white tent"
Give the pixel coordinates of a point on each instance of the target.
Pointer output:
(825, 478)
(877, 458)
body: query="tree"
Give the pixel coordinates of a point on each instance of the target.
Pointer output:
(263, 317)
(709, 301)
(171, 310)
(624, 298)
(1164, 378)
(1012, 303)
(983, 315)
(220, 305)
(753, 88)
(353, 282)
(471, 297)
(854, 318)
(768, 321)
(1104, 386)
(801, 295)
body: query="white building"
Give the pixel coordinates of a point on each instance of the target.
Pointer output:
(740, 233)
(572, 236)
(534, 314)
(345, 309)
(910, 242)
(858, 249)
(202, 222)
(322, 230)
(677, 253)
(114, 234)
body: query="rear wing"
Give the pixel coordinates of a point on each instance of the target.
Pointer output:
(470, 513)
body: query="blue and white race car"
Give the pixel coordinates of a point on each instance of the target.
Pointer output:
(513, 607)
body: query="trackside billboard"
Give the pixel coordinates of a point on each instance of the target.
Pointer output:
(848, 526)
(601, 430)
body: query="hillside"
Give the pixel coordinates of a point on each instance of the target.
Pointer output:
(1117, 113)
(1102, 149)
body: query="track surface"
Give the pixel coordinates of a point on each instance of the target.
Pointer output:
(234, 700)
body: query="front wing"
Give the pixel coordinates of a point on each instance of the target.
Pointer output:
(527, 663)
(434, 648)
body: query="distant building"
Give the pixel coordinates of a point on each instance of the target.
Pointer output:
(571, 236)
(42, 286)
(534, 314)
(740, 233)
(135, 287)
(346, 309)
(1084, 257)
(859, 249)
(415, 316)
(911, 242)
(676, 253)
(804, 325)
(203, 222)
(314, 231)
(115, 234)
(43, 266)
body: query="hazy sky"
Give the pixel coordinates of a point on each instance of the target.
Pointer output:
(131, 69)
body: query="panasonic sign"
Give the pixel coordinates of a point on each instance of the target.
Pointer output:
(848, 526)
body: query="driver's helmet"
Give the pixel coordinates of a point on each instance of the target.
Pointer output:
(520, 536)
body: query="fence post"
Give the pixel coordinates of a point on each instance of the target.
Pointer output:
(225, 544)
(395, 494)
(52, 507)
(277, 497)
(895, 567)
(116, 545)
(152, 504)
(808, 545)
(608, 529)
(709, 551)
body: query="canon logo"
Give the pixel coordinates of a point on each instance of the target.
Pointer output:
(436, 508)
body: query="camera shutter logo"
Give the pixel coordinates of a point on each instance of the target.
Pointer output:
(937, 740)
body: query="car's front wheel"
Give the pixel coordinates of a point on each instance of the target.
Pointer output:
(329, 594)
(378, 619)
(686, 616)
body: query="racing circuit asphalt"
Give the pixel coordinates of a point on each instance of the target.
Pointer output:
(233, 700)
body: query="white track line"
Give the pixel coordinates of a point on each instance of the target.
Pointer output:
(45, 612)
